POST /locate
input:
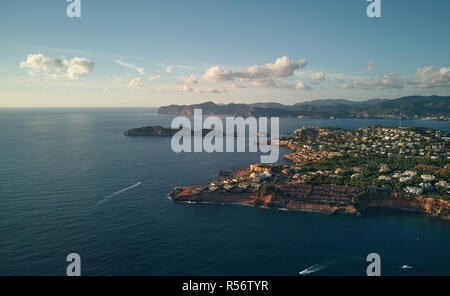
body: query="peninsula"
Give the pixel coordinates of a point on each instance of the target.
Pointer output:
(340, 171)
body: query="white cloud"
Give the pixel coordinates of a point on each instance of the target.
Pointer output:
(273, 83)
(155, 77)
(169, 69)
(385, 82)
(217, 74)
(131, 66)
(282, 68)
(74, 68)
(269, 83)
(303, 86)
(59, 64)
(370, 66)
(319, 76)
(189, 80)
(136, 83)
(78, 67)
(430, 77)
(37, 62)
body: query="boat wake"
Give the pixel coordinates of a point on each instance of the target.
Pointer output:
(118, 192)
(315, 268)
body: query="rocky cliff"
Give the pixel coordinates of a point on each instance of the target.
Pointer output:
(326, 204)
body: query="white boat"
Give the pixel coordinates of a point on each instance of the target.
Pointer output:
(406, 267)
(303, 272)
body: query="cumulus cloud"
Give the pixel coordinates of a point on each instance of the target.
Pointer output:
(78, 67)
(59, 64)
(430, 77)
(370, 66)
(273, 83)
(131, 66)
(270, 83)
(189, 80)
(37, 62)
(155, 77)
(302, 86)
(319, 76)
(136, 83)
(283, 67)
(74, 68)
(217, 74)
(385, 82)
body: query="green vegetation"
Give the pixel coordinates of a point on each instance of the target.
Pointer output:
(269, 189)
(404, 159)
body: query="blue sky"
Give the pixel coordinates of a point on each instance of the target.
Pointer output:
(151, 53)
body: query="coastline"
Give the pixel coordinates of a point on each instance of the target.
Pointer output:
(421, 205)
(244, 186)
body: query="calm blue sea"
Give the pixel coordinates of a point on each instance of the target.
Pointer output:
(56, 165)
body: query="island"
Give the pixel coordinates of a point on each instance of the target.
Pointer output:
(151, 131)
(339, 171)
(159, 131)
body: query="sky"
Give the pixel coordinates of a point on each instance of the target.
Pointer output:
(153, 53)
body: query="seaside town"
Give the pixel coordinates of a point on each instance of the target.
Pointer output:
(407, 159)
(341, 166)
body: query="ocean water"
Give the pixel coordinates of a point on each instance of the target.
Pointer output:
(69, 182)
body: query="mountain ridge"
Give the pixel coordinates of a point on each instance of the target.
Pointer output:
(409, 107)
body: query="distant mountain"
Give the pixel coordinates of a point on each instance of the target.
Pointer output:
(413, 106)
(269, 105)
(435, 107)
(327, 102)
(210, 108)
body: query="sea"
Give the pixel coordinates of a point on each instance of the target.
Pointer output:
(71, 182)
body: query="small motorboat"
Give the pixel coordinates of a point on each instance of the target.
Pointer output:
(406, 267)
(305, 271)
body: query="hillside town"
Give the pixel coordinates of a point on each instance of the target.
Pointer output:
(343, 165)
(403, 159)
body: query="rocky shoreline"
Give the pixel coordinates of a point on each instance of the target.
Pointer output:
(325, 204)
(336, 171)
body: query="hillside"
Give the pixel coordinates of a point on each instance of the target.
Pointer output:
(431, 107)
